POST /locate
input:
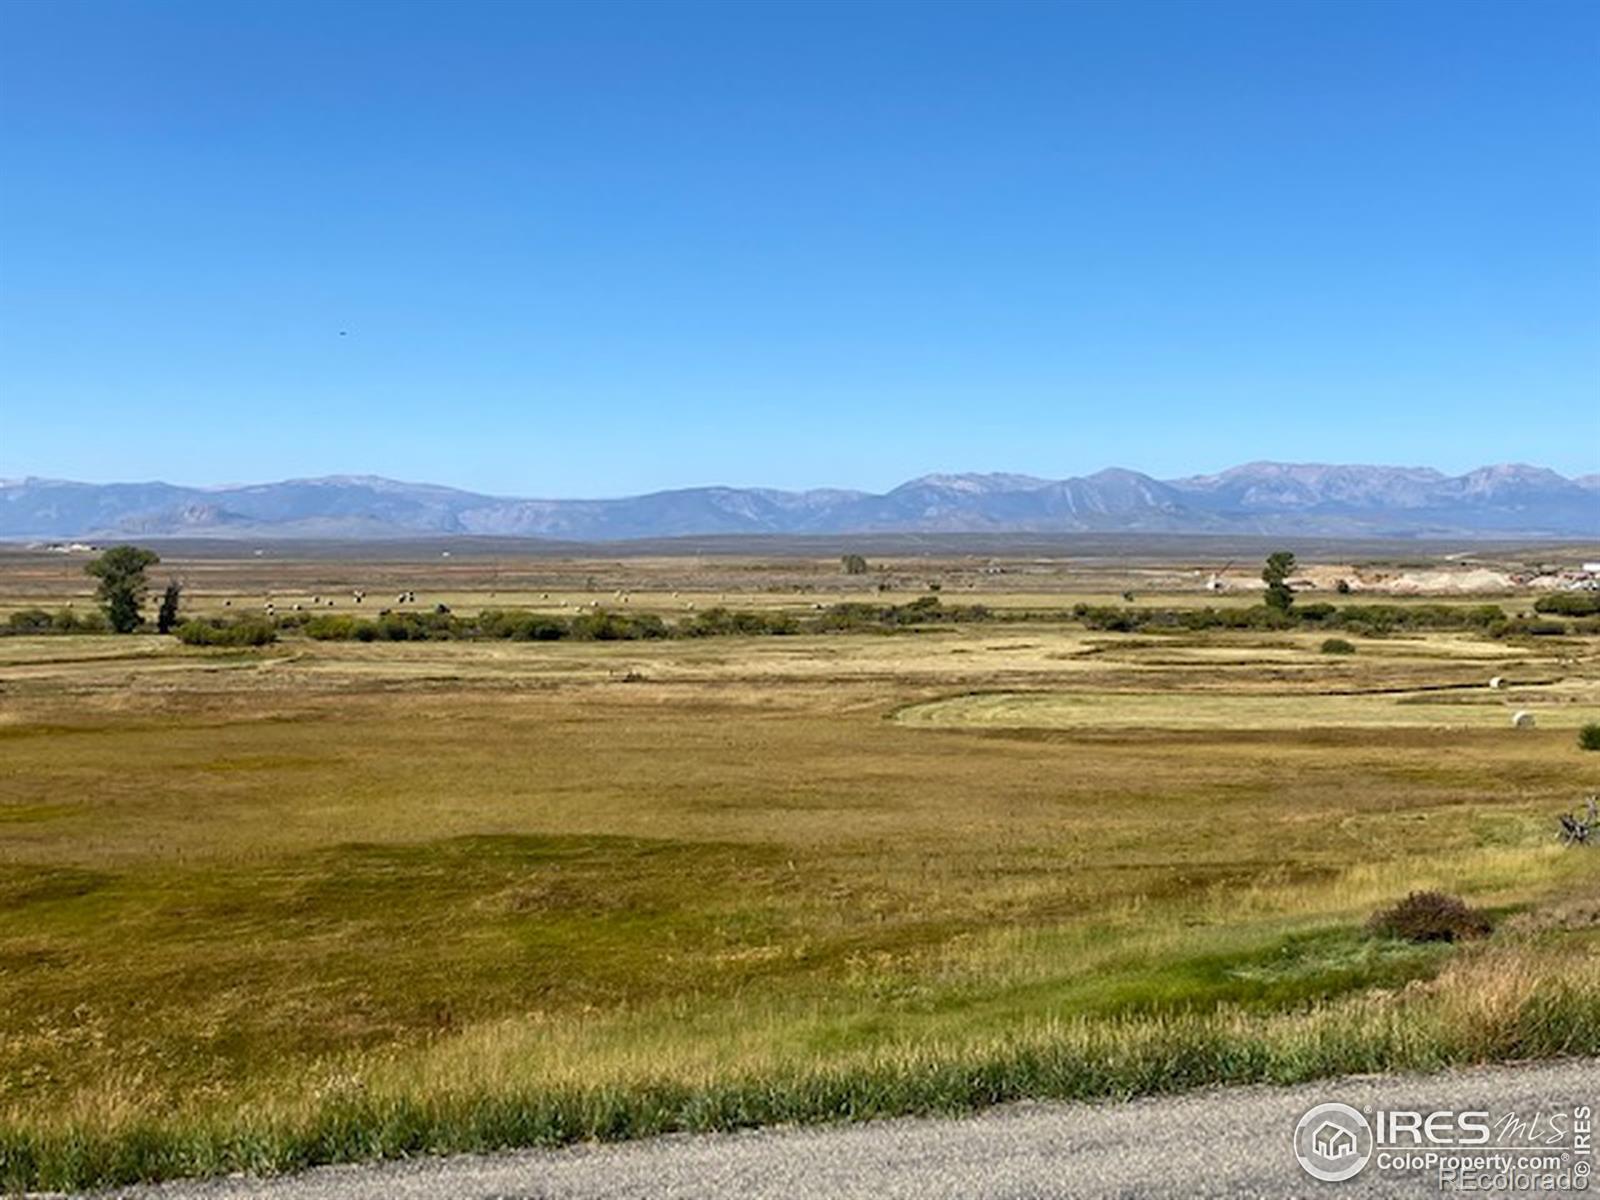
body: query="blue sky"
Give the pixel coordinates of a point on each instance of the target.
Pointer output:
(592, 249)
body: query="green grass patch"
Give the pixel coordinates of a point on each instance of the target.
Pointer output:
(391, 897)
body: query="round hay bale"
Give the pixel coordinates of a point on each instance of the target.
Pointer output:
(1522, 719)
(1497, 682)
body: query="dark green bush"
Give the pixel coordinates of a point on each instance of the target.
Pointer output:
(331, 627)
(719, 622)
(70, 621)
(213, 631)
(30, 620)
(1338, 646)
(64, 620)
(1369, 620)
(606, 626)
(519, 626)
(1569, 604)
(1589, 736)
(1530, 627)
(925, 610)
(1430, 917)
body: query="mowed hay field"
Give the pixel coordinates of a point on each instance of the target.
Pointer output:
(324, 901)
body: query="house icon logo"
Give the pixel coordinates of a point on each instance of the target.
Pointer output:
(1333, 1142)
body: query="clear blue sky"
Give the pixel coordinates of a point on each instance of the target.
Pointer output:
(598, 248)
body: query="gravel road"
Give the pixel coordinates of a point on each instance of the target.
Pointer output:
(1227, 1142)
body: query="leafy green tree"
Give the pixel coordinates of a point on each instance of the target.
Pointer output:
(120, 571)
(1280, 565)
(167, 615)
(853, 564)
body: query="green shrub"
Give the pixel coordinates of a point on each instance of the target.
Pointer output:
(1589, 736)
(1338, 646)
(925, 610)
(213, 631)
(332, 627)
(64, 620)
(1430, 917)
(94, 621)
(520, 626)
(606, 626)
(718, 622)
(1531, 627)
(1569, 604)
(29, 620)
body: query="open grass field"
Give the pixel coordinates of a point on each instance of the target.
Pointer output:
(224, 580)
(329, 900)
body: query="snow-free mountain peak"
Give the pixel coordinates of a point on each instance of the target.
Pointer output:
(1263, 497)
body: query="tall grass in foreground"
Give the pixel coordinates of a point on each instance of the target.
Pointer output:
(1500, 1002)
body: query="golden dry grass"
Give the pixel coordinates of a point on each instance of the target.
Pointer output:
(443, 873)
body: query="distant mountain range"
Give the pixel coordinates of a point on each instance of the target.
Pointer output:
(1262, 497)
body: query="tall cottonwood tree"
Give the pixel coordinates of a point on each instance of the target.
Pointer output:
(120, 571)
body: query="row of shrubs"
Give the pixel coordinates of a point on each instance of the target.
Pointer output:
(64, 620)
(605, 625)
(1372, 620)
(599, 626)
(608, 625)
(1569, 604)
